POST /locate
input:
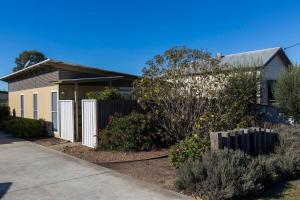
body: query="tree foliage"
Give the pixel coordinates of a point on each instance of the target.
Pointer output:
(287, 92)
(31, 56)
(108, 93)
(186, 88)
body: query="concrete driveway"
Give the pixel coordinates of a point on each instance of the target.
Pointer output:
(31, 171)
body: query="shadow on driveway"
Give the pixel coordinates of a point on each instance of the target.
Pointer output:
(4, 188)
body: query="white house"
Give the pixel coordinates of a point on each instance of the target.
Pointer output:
(271, 62)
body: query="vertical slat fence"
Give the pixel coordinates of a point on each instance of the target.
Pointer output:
(253, 141)
(89, 122)
(66, 110)
(106, 109)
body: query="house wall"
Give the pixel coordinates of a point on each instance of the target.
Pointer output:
(271, 72)
(273, 69)
(44, 103)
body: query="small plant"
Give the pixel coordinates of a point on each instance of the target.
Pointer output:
(22, 127)
(133, 132)
(108, 93)
(190, 148)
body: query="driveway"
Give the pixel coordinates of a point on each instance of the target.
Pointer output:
(31, 171)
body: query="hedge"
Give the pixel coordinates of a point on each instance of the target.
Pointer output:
(26, 128)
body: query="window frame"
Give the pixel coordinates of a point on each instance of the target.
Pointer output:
(54, 129)
(22, 105)
(35, 108)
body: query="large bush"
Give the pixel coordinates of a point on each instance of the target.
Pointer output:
(287, 92)
(132, 132)
(22, 127)
(221, 175)
(226, 173)
(108, 93)
(183, 85)
(190, 148)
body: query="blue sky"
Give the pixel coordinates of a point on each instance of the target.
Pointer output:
(123, 35)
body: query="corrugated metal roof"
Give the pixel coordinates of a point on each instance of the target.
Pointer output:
(68, 66)
(256, 58)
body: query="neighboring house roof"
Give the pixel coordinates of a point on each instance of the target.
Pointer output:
(64, 66)
(258, 58)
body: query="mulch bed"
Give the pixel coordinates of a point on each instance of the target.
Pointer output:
(149, 166)
(157, 171)
(100, 157)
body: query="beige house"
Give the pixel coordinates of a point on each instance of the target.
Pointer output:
(34, 92)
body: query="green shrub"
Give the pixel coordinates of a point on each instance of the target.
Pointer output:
(189, 148)
(132, 132)
(226, 173)
(287, 92)
(106, 94)
(22, 127)
(4, 115)
(284, 163)
(221, 175)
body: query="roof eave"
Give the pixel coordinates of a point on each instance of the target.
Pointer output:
(5, 78)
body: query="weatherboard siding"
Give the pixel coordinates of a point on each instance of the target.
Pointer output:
(271, 72)
(36, 81)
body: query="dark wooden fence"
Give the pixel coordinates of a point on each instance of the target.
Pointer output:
(106, 109)
(253, 141)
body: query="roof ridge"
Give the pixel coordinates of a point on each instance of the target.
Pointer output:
(252, 51)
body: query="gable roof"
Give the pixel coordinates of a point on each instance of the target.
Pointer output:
(55, 64)
(257, 58)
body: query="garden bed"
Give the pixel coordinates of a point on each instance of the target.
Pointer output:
(156, 171)
(99, 157)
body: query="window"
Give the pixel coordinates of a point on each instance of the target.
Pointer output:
(22, 105)
(54, 102)
(271, 84)
(35, 106)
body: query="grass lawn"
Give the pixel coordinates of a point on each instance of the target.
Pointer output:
(287, 191)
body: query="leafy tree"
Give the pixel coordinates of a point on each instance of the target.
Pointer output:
(287, 92)
(170, 95)
(31, 56)
(184, 86)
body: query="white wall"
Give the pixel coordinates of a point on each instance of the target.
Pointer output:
(271, 72)
(273, 69)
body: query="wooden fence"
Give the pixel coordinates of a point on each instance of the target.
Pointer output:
(253, 141)
(106, 109)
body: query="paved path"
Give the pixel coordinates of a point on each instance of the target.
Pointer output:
(30, 171)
